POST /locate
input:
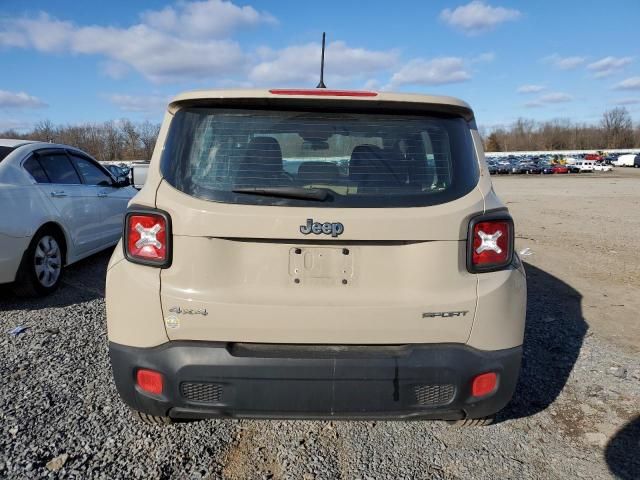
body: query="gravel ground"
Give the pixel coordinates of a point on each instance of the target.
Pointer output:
(576, 412)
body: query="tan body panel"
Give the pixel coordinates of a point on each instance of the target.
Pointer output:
(134, 315)
(502, 308)
(250, 295)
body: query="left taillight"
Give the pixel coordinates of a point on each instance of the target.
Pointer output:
(490, 243)
(147, 238)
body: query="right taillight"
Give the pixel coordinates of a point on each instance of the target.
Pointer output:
(147, 237)
(490, 243)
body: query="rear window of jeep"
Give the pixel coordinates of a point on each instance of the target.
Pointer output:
(355, 159)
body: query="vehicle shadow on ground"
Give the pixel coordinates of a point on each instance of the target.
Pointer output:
(623, 451)
(553, 337)
(82, 282)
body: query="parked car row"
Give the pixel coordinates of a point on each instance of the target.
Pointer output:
(59, 205)
(546, 166)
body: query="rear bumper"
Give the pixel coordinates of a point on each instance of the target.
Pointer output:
(206, 379)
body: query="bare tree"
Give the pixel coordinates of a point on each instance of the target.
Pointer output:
(618, 128)
(148, 133)
(614, 131)
(493, 143)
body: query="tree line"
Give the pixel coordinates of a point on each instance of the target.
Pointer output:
(126, 140)
(113, 140)
(614, 131)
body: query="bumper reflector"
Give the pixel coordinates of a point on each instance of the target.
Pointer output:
(150, 381)
(484, 384)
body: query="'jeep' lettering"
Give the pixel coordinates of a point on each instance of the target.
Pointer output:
(317, 228)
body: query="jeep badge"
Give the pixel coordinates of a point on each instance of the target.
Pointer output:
(333, 229)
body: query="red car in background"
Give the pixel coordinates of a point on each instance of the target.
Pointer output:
(560, 169)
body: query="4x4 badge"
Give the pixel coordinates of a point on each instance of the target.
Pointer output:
(333, 229)
(189, 311)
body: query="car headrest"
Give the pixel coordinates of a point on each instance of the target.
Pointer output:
(263, 154)
(365, 161)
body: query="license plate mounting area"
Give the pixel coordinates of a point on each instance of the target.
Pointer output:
(321, 265)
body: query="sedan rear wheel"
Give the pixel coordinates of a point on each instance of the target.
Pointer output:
(48, 261)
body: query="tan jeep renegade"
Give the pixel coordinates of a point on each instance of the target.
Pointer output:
(316, 254)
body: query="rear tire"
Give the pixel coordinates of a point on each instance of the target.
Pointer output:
(473, 422)
(151, 419)
(42, 264)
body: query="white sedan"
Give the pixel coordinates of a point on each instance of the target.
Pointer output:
(57, 206)
(602, 167)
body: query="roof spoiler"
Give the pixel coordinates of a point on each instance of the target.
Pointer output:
(343, 103)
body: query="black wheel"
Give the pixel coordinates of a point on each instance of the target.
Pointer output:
(151, 419)
(473, 422)
(42, 264)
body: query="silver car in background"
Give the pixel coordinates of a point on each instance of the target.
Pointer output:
(59, 205)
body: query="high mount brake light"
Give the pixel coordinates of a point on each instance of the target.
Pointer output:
(147, 238)
(490, 243)
(323, 92)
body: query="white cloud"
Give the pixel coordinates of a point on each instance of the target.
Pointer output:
(300, 64)
(549, 98)
(609, 65)
(478, 17)
(205, 19)
(139, 103)
(486, 57)
(626, 101)
(372, 84)
(530, 88)
(556, 97)
(158, 55)
(176, 43)
(115, 70)
(564, 63)
(632, 83)
(19, 100)
(437, 71)
(29, 33)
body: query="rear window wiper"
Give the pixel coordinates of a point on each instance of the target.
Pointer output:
(318, 194)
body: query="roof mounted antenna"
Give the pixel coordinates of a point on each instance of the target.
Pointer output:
(321, 84)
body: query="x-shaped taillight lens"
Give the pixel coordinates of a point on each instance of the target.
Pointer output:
(147, 238)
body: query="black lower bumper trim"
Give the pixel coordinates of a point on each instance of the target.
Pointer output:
(417, 381)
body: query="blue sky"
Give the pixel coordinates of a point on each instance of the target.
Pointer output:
(508, 59)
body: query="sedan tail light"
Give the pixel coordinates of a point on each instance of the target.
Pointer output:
(490, 243)
(147, 238)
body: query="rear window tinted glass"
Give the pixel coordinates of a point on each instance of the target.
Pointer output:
(58, 168)
(359, 159)
(35, 170)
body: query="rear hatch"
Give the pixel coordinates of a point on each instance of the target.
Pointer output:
(318, 225)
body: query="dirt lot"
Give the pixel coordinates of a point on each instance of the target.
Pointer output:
(576, 412)
(585, 230)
